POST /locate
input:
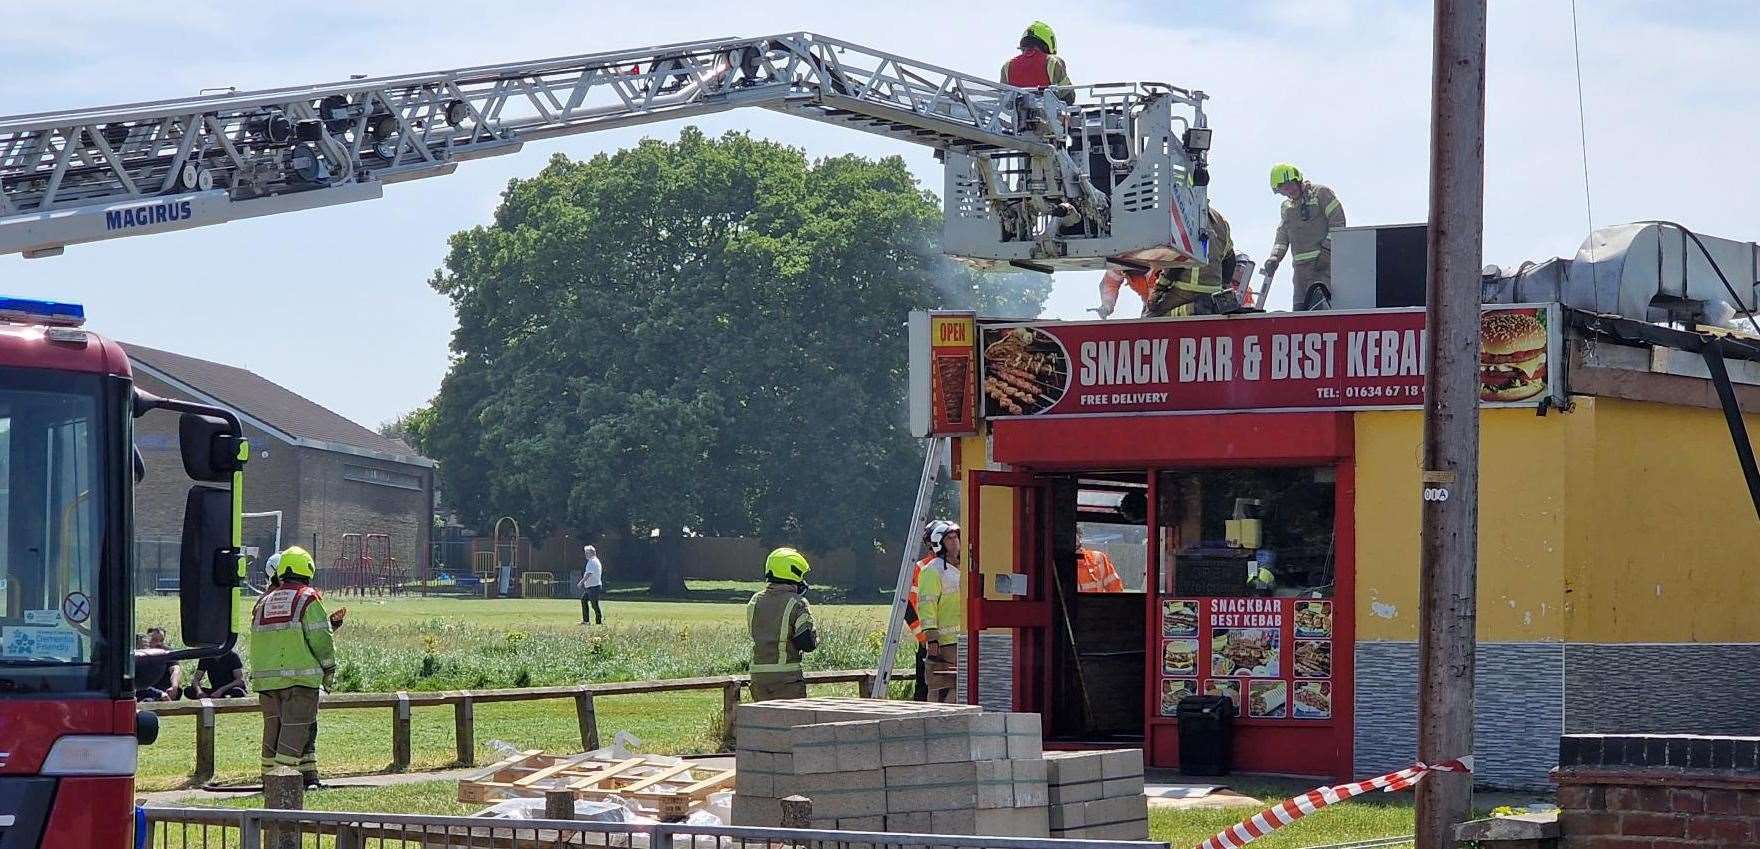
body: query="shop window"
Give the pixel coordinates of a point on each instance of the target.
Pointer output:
(1112, 539)
(1248, 532)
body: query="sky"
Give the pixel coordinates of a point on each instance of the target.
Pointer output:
(335, 303)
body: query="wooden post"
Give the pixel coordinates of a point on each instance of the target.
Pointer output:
(797, 812)
(558, 804)
(583, 712)
(464, 730)
(730, 707)
(868, 688)
(400, 754)
(284, 789)
(204, 745)
(1448, 547)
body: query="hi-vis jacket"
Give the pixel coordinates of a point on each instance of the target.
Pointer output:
(1306, 229)
(290, 639)
(775, 616)
(912, 622)
(939, 603)
(1038, 69)
(1096, 574)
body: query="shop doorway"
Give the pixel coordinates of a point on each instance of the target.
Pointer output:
(1100, 566)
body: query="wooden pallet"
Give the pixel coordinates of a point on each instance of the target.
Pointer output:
(668, 791)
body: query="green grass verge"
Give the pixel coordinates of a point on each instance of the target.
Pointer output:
(1357, 819)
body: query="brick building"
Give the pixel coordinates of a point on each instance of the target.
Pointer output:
(326, 476)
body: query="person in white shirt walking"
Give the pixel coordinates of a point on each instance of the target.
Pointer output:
(592, 587)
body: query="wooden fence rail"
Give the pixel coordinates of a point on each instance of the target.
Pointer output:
(464, 704)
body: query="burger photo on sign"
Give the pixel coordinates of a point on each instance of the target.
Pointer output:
(1512, 355)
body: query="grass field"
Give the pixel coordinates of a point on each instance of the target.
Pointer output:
(426, 644)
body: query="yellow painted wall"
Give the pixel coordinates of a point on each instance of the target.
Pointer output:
(996, 554)
(1665, 545)
(1521, 525)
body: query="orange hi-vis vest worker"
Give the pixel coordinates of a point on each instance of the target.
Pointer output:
(1114, 280)
(1096, 574)
(912, 621)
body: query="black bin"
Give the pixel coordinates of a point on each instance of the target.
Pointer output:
(1206, 735)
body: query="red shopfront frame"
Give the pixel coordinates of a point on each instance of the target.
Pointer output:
(1157, 443)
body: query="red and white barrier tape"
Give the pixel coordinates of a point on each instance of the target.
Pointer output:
(1290, 810)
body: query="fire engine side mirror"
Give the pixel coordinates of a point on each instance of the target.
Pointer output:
(211, 449)
(208, 568)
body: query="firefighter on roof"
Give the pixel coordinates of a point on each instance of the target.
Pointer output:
(1310, 213)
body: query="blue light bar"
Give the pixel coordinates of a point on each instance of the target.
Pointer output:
(27, 311)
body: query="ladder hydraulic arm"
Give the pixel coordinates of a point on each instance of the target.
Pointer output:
(1032, 181)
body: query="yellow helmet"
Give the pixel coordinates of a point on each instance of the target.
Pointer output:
(1042, 31)
(786, 564)
(294, 561)
(1284, 172)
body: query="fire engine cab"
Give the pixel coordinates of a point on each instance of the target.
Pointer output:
(68, 724)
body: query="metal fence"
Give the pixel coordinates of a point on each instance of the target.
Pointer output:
(211, 828)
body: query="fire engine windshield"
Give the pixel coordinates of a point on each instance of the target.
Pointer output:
(52, 500)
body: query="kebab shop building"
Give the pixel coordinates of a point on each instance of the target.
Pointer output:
(1254, 482)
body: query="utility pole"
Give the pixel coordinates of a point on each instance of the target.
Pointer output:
(1449, 567)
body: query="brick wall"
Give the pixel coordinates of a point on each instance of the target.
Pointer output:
(333, 500)
(271, 483)
(321, 495)
(1659, 791)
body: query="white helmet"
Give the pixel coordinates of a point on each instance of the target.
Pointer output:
(272, 567)
(935, 531)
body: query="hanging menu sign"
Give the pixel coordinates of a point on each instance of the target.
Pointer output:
(1271, 656)
(943, 375)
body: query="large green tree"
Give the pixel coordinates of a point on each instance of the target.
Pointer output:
(707, 333)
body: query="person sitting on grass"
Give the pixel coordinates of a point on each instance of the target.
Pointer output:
(160, 679)
(225, 678)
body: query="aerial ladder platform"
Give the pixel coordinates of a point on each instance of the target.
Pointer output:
(1116, 179)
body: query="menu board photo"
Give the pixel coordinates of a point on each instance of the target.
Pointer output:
(1267, 699)
(1179, 618)
(1174, 689)
(1313, 700)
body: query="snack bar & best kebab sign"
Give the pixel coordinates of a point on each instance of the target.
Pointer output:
(1287, 361)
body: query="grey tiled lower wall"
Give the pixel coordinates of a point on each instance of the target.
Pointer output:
(1530, 693)
(1519, 703)
(1674, 688)
(995, 671)
(1527, 694)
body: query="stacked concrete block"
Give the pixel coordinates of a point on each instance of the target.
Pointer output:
(825, 749)
(893, 766)
(1097, 795)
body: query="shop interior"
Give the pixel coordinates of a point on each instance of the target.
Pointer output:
(1222, 533)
